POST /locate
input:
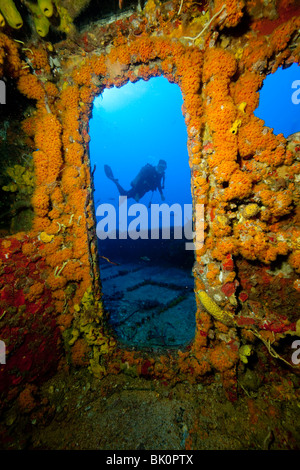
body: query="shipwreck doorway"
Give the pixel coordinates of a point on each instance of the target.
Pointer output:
(144, 243)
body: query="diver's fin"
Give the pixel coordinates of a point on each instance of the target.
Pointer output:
(108, 172)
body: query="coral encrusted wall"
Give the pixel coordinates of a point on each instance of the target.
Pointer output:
(247, 273)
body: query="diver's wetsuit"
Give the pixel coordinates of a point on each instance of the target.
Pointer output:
(148, 179)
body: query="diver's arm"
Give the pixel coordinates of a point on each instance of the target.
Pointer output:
(161, 193)
(161, 187)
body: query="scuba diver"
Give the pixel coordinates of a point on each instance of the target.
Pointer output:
(149, 178)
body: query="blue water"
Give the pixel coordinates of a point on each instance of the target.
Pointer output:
(138, 124)
(279, 102)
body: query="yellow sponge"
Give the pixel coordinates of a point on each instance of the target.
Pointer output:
(41, 22)
(11, 14)
(47, 7)
(214, 309)
(2, 21)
